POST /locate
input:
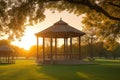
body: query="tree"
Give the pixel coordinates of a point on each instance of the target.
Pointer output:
(90, 38)
(16, 14)
(4, 42)
(108, 31)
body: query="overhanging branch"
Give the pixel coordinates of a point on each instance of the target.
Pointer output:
(114, 4)
(95, 7)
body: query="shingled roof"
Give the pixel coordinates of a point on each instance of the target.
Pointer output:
(60, 29)
(5, 48)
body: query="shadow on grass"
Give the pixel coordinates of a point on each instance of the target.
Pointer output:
(82, 72)
(5, 64)
(27, 70)
(70, 72)
(59, 72)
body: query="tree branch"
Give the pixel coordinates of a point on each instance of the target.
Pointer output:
(114, 4)
(101, 10)
(95, 7)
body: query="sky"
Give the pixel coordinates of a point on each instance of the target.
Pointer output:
(29, 38)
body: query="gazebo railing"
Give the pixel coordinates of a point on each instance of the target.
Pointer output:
(61, 56)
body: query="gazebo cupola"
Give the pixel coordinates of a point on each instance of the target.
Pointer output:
(58, 30)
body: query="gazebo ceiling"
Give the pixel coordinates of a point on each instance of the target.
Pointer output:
(60, 30)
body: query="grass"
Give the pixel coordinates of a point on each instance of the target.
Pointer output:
(28, 70)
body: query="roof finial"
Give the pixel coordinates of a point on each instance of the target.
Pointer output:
(60, 18)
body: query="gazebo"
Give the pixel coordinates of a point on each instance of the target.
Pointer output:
(62, 30)
(6, 54)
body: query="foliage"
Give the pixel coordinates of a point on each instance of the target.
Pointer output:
(106, 30)
(16, 14)
(19, 52)
(4, 42)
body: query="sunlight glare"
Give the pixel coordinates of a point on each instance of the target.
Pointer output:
(28, 40)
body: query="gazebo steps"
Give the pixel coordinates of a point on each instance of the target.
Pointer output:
(7, 62)
(69, 62)
(62, 62)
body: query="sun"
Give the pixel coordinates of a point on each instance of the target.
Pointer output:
(28, 40)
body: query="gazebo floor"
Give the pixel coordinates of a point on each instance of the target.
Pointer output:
(7, 62)
(40, 62)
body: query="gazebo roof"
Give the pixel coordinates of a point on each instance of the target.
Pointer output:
(5, 48)
(60, 29)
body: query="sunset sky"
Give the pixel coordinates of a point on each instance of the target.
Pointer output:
(29, 38)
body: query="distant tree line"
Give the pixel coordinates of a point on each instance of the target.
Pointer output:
(99, 50)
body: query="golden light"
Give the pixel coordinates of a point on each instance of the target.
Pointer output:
(28, 40)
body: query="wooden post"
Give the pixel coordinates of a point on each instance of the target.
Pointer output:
(56, 48)
(43, 49)
(8, 59)
(13, 57)
(80, 56)
(70, 47)
(0, 58)
(64, 47)
(51, 51)
(37, 56)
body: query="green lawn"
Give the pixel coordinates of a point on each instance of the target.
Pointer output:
(28, 70)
